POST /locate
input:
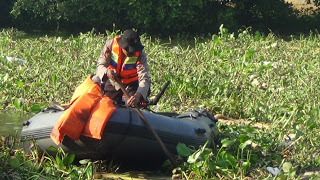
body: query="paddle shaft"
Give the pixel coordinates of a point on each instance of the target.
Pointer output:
(164, 148)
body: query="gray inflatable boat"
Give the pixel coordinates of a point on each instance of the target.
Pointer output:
(125, 136)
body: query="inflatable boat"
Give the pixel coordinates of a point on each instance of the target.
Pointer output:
(125, 136)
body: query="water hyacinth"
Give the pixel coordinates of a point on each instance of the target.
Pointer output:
(18, 165)
(231, 75)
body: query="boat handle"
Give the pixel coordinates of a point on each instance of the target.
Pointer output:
(200, 131)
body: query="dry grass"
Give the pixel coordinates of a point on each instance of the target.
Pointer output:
(301, 4)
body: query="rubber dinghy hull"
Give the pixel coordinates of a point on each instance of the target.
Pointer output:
(125, 135)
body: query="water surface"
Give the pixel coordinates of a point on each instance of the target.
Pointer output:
(11, 122)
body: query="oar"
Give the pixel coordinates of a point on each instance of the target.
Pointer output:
(164, 148)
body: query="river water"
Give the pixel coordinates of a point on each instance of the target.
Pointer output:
(11, 122)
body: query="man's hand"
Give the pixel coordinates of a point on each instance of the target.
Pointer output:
(133, 100)
(111, 74)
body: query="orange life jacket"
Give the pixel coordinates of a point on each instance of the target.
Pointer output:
(126, 69)
(87, 114)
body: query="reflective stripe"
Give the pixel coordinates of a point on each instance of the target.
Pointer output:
(131, 60)
(114, 59)
(130, 63)
(129, 66)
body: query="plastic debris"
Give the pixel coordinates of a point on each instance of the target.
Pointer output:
(21, 100)
(175, 48)
(12, 59)
(273, 171)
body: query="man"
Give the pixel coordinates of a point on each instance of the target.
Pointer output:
(123, 57)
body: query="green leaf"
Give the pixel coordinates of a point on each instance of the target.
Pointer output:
(249, 53)
(20, 84)
(257, 35)
(222, 163)
(243, 138)
(60, 163)
(227, 142)
(246, 165)
(205, 152)
(311, 124)
(68, 159)
(282, 177)
(183, 150)
(231, 160)
(216, 39)
(53, 149)
(216, 91)
(58, 160)
(194, 157)
(5, 77)
(255, 82)
(17, 104)
(286, 167)
(14, 163)
(35, 108)
(282, 109)
(54, 78)
(199, 164)
(84, 161)
(243, 145)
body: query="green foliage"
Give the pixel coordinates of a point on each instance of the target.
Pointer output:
(171, 16)
(240, 149)
(30, 75)
(256, 76)
(160, 18)
(5, 8)
(16, 164)
(316, 2)
(103, 14)
(275, 15)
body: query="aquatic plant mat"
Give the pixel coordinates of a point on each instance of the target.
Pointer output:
(260, 78)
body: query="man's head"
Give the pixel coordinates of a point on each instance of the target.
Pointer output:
(130, 41)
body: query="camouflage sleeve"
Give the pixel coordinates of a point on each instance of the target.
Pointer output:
(104, 60)
(143, 74)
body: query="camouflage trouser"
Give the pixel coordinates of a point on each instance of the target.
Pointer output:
(116, 95)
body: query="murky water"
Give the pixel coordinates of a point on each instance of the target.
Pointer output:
(11, 122)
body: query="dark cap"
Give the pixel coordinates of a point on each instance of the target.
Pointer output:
(130, 41)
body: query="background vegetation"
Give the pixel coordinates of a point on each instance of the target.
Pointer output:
(158, 18)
